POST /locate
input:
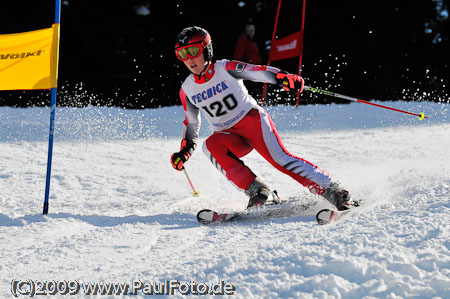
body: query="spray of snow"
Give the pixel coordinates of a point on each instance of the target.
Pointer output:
(119, 212)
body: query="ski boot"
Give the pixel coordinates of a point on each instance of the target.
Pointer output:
(260, 194)
(339, 197)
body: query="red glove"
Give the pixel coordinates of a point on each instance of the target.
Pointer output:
(178, 159)
(290, 82)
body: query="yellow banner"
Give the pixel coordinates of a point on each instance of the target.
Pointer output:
(29, 60)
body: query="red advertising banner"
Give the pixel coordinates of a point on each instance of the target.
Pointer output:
(287, 47)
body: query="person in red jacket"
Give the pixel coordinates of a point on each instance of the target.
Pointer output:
(246, 48)
(240, 125)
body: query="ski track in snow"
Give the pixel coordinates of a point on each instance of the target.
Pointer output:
(119, 212)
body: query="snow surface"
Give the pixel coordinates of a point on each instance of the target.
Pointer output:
(120, 213)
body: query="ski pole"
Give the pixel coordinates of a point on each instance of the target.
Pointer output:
(337, 95)
(196, 194)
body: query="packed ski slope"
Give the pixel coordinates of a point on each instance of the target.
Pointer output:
(120, 213)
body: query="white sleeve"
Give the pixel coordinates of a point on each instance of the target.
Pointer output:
(256, 73)
(192, 119)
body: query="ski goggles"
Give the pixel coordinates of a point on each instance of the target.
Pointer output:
(192, 51)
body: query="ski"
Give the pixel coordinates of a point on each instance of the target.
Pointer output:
(285, 209)
(207, 216)
(327, 216)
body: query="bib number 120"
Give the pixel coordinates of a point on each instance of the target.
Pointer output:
(222, 107)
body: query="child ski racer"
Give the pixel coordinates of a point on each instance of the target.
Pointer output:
(239, 123)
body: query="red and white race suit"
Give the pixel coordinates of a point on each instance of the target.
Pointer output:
(240, 125)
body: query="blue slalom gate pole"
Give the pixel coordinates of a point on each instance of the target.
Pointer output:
(52, 124)
(50, 149)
